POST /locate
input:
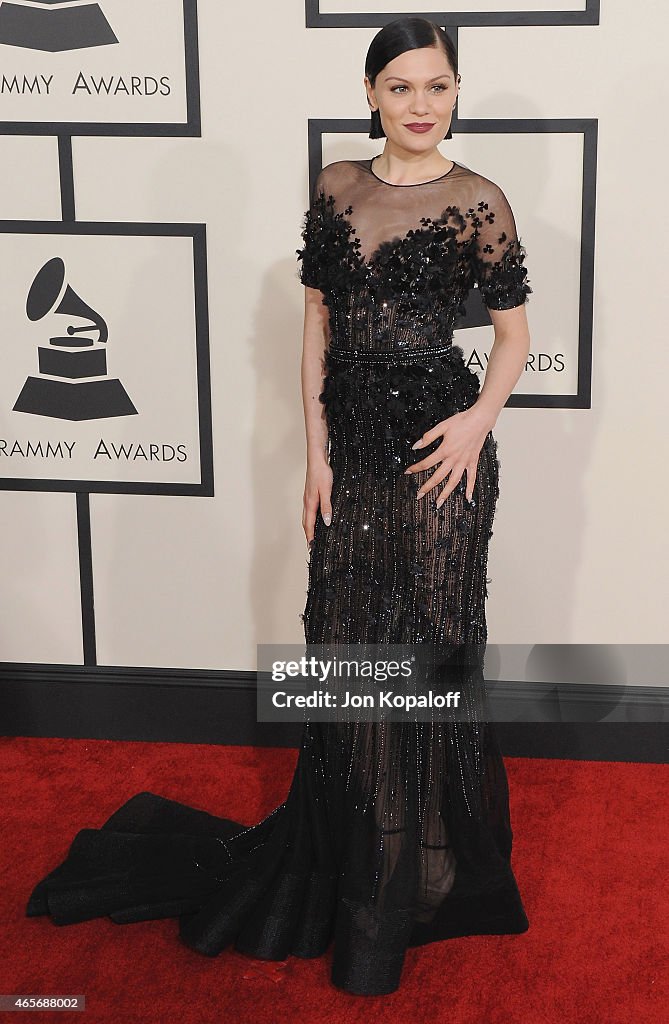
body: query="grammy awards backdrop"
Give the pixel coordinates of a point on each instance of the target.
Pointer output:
(87, 424)
(98, 64)
(157, 158)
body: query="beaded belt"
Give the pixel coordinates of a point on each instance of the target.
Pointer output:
(388, 355)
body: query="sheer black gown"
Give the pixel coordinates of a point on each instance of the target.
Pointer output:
(392, 834)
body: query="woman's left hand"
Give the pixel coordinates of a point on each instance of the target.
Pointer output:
(463, 436)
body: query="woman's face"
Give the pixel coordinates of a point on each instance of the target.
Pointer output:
(418, 87)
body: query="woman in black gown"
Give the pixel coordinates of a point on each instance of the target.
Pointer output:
(393, 834)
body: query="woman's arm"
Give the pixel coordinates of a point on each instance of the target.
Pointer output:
(318, 484)
(506, 362)
(468, 430)
(498, 264)
(315, 342)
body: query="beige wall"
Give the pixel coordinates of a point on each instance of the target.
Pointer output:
(579, 552)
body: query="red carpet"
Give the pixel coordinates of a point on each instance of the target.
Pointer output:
(590, 855)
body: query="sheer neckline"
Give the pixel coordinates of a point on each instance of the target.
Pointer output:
(367, 264)
(415, 184)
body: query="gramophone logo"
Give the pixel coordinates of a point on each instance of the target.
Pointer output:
(54, 26)
(73, 384)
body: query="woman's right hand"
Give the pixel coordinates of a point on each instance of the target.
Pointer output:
(317, 495)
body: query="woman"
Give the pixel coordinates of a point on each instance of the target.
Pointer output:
(399, 539)
(393, 833)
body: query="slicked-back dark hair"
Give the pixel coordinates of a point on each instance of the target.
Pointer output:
(397, 37)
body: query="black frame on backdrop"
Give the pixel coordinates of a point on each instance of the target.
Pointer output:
(197, 232)
(190, 127)
(463, 18)
(581, 398)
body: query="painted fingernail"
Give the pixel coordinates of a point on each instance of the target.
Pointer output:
(327, 518)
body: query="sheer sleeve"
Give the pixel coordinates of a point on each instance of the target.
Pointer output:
(498, 255)
(311, 256)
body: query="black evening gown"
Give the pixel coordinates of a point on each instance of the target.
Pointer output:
(393, 834)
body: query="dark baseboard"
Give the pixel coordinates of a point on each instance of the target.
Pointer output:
(202, 706)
